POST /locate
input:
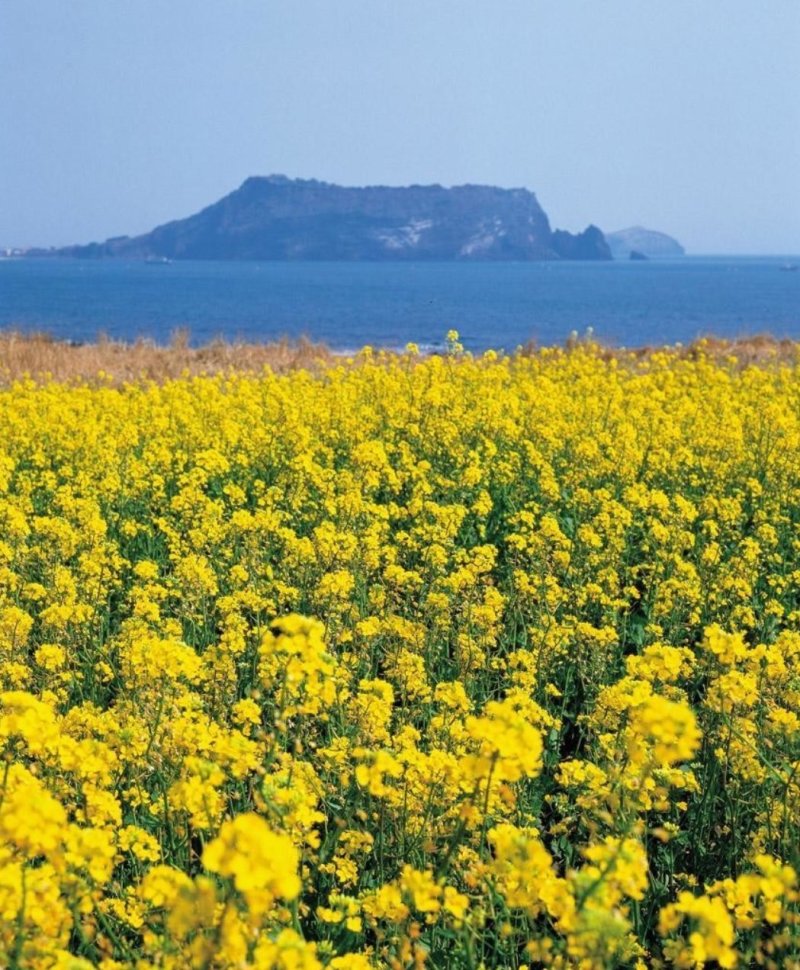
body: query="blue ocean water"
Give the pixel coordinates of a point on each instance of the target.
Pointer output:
(348, 305)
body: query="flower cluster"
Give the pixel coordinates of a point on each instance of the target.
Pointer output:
(414, 661)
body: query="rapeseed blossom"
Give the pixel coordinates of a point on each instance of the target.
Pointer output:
(410, 662)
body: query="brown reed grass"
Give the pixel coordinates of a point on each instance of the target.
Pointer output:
(41, 357)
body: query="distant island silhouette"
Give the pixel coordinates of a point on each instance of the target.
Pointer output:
(277, 218)
(638, 242)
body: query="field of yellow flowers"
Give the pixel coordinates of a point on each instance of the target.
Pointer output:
(441, 662)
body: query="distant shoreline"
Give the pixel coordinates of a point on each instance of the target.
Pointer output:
(36, 253)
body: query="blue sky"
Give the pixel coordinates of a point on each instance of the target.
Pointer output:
(682, 115)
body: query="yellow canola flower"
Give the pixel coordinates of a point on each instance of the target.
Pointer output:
(295, 666)
(666, 728)
(404, 660)
(712, 937)
(32, 820)
(288, 951)
(255, 858)
(509, 747)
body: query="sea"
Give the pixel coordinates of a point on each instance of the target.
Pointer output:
(502, 305)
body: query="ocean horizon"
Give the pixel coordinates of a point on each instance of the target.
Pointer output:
(347, 305)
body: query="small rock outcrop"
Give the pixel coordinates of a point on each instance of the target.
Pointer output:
(589, 244)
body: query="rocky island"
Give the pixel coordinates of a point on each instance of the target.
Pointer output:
(278, 218)
(647, 243)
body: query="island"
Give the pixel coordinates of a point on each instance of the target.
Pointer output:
(278, 218)
(644, 242)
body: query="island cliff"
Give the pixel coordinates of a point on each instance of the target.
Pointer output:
(277, 218)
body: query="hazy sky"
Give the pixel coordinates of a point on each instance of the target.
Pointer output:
(681, 115)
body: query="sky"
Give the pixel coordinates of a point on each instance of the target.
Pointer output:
(680, 115)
